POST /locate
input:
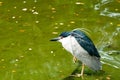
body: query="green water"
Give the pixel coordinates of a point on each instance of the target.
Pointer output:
(26, 26)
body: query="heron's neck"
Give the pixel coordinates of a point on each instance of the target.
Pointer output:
(67, 43)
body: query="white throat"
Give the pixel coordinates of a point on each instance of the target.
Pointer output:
(68, 43)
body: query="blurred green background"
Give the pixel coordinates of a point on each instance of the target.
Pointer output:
(26, 26)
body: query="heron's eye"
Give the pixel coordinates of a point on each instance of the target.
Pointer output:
(62, 37)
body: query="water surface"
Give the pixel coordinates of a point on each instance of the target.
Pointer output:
(26, 26)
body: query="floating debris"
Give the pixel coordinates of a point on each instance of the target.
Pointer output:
(52, 17)
(56, 23)
(61, 23)
(56, 27)
(8, 10)
(16, 65)
(34, 7)
(35, 1)
(24, 2)
(32, 10)
(19, 16)
(1, 3)
(54, 32)
(35, 13)
(29, 49)
(76, 14)
(60, 71)
(118, 24)
(53, 8)
(22, 30)
(21, 56)
(13, 17)
(79, 3)
(24, 9)
(15, 7)
(54, 55)
(36, 21)
(13, 71)
(2, 59)
(58, 64)
(116, 9)
(111, 23)
(16, 21)
(108, 78)
(51, 52)
(68, 25)
(72, 22)
(16, 60)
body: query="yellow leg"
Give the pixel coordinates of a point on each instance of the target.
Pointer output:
(82, 71)
(81, 74)
(74, 59)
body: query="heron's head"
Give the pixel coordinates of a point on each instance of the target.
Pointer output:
(61, 37)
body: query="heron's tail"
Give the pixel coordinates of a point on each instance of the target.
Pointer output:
(96, 64)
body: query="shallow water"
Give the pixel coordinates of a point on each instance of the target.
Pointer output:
(26, 26)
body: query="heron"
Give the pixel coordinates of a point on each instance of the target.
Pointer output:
(81, 47)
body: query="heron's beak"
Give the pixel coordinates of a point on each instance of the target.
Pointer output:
(55, 39)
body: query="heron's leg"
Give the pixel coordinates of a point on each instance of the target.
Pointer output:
(74, 59)
(80, 74)
(82, 71)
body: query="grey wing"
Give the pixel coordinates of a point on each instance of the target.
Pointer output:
(85, 42)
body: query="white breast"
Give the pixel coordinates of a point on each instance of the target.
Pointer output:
(71, 45)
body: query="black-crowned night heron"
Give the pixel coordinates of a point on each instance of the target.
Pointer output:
(81, 47)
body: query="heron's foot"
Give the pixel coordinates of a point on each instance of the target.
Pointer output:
(74, 59)
(78, 75)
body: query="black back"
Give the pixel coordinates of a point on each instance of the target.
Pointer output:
(85, 42)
